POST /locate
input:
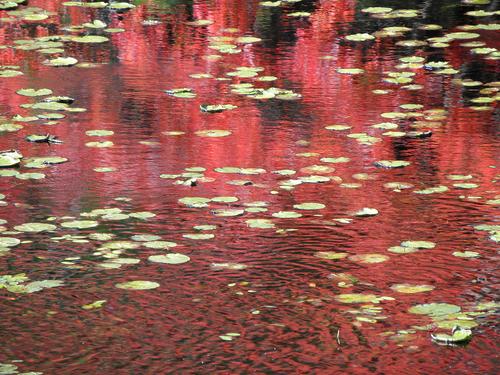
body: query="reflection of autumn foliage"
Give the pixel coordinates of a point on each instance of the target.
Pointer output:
(125, 95)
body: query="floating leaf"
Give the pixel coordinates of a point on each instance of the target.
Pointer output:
(94, 305)
(309, 206)
(330, 255)
(434, 309)
(369, 258)
(80, 224)
(458, 335)
(35, 227)
(172, 258)
(61, 61)
(410, 288)
(466, 254)
(390, 164)
(138, 285)
(34, 92)
(361, 37)
(213, 133)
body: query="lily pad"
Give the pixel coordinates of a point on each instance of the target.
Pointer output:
(137, 285)
(213, 133)
(80, 224)
(61, 61)
(390, 164)
(34, 92)
(411, 288)
(369, 258)
(434, 309)
(309, 206)
(172, 258)
(35, 227)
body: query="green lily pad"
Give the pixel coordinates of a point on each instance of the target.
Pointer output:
(34, 92)
(458, 335)
(80, 224)
(330, 255)
(365, 212)
(94, 305)
(216, 108)
(145, 237)
(196, 202)
(213, 133)
(361, 37)
(99, 133)
(461, 254)
(142, 215)
(419, 244)
(369, 258)
(434, 309)
(172, 258)
(89, 39)
(357, 298)
(309, 206)
(198, 236)
(61, 61)
(287, 215)
(159, 244)
(411, 288)
(260, 223)
(103, 144)
(137, 285)
(9, 242)
(390, 164)
(35, 227)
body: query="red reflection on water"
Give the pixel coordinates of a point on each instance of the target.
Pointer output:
(176, 328)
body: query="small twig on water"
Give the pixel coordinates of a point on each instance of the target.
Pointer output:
(338, 337)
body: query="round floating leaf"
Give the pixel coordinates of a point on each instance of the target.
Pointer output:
(61, 61)
(9, 242)
(35, 227)
(337, 127)
(8, 161)
(199, 236)
(196, 202)
(142, 215)
(434, 309)
(80, 224)
(138, 285)
(89, 39)
(357, 298)
(409, 288)
(104, 144)
(309, 206)
(458, 335)
(145, 237)
(389, 164)
(228, 212)
(172, 258)
(364, 212)
(260, 223)
(34, 92)
(213, 133)
(99, 133)
(361, 37)
(287, 215)
(461, 254)
(159, 244)
(419, 244)
(331, 255)
(369, 258)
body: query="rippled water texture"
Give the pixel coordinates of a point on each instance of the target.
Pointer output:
(274, 228)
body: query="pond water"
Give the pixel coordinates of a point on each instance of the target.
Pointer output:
(249, 187)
